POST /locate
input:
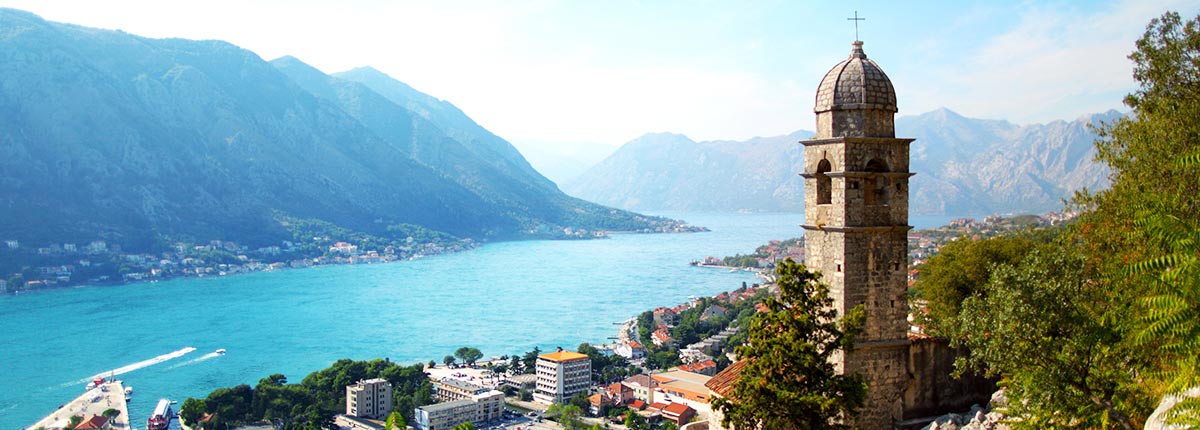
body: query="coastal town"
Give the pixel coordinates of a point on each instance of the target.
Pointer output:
(659, 372)
(639, 381)
(99, 262)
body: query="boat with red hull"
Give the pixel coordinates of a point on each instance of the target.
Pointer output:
(161, 418)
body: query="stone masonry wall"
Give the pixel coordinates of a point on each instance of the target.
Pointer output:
(856, 123)
(932, 390)
(883, 369)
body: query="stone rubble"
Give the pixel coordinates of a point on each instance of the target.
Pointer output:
(978, 418)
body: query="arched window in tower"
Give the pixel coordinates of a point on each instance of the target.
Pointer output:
(875, 191)
(824, 183)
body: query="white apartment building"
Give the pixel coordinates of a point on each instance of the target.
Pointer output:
(450, 389)
(561, 375)
(371, 398)
(479, 409)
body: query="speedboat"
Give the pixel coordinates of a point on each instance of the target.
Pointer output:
(220, 351)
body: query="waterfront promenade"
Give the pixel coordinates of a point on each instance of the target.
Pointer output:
(110, 395)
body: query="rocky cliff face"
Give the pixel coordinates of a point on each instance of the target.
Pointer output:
(963, 165)
(972, 166)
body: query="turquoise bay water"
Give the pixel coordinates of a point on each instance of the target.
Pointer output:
(503, 298)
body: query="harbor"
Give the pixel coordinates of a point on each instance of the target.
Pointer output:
(91, 407)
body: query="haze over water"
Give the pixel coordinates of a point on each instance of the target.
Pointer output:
(504, 298)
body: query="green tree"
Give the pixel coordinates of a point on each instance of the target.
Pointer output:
(449, 360)
(468, 355)
(74, 421)
(1060, 342)
(580, 400)
(110, 413)
(395, 421)
(515, 364)
(662, 359)
(567, 415)
(633, 421)
(230, 406)
(788, 381)
(571, 417)
(1173, 318)
(191, 411)
(961, 269)
(464, 426)
(645, 324)
(529, 360)
(1144, 225)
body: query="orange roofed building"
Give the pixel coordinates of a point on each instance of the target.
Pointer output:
(561, 375)
(96, 422)
(721, 385)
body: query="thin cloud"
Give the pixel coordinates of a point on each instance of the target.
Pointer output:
(1058, 62)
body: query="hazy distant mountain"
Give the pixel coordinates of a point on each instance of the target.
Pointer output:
(437, 134)
(664, 171)
(562, 162)
(108, 135)
(974, 166)
(963, 166)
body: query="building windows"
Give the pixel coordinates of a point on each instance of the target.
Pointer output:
(875, 191)
(824, 183)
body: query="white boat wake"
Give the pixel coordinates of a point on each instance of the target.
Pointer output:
(196, 360)
(139, 365)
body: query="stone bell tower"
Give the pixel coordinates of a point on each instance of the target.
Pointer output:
(856, 224)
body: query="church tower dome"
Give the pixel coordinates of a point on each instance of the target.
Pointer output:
(856, 184)
(855, 99)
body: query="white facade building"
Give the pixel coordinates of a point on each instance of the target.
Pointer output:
(479, 410)
(561, 375)
(371, 398)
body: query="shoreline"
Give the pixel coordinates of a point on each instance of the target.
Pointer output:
(470, 245)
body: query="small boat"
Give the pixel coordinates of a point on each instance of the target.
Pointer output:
(220, 351)
(733, 270)
(128, 393)
(95, 383)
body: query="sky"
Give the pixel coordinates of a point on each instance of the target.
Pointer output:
(609, 71)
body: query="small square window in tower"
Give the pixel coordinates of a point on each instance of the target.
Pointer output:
(876, 184)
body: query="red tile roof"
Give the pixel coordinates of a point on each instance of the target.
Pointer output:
(657, 406)
(641, 379)
(676, 409)
(697, 367)
(637, 404)
(722, 382)
(96, 422)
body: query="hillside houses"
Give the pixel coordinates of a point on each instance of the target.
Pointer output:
(99, 262)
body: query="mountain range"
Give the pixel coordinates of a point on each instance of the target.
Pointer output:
(108, 135)
(963, 166)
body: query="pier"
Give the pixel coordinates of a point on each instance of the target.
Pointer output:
(109, 395)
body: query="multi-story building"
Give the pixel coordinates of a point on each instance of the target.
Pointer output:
(561, 375)
(478, 409)
(643, 387)
(683, 384)
(371, 398)
(450, 389)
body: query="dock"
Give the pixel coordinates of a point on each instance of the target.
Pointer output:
(109, 395)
